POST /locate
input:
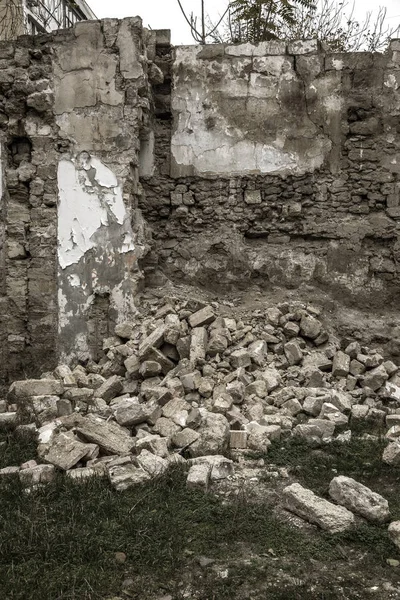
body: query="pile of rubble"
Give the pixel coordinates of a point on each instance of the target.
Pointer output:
(184, 384)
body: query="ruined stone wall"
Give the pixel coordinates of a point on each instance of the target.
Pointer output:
(283, 170)
(268, 164)
(75, 111)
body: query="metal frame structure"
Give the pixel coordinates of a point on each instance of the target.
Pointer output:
(47, 15)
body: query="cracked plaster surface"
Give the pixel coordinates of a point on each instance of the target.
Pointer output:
(90, 198)
(249, 110)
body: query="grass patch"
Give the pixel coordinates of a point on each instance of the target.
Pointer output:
(59, 542)
(315, 468)
(16, 450)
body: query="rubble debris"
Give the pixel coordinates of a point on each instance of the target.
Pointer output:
(359, 499)
(305, 504)
(183, 382)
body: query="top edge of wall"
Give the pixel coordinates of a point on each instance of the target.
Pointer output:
(274, 48)
(163, 36)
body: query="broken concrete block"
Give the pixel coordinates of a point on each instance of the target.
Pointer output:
(166, 427)
(155, 340)
(8, 420)
(150, 368)
(184, 438)
(375, 378)
(110, 388)
(312, 405)
(130, 413)
(356, 368)
(305, 504)
(394, 533)
(7, 471)
(258, 438)
(214, 435)
(40, 408)
(293, 352)
(125, 330)
(238, 440)
(37, 475)
(292, 407)
(310, 327)
(341, 364)
(206, 387)
(240, 358)
(20, 390)
(221, 467)
(83, 473)
(342, 401)
(198, 345)
(152, 464)
(199, 476)
(236, 390)
(123, 477)
(111, 437)
(222, 403)
(154, 444)
(191, 381)
(165, 363)
(183, 347)
(65, 451)
(391, 454)
(174, 406)
(218, 342)
(359, 499)
(272, 379)
(132, 365)
(258, 352)
(204, 316)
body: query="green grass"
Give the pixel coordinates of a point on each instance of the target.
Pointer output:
(360, 458)
(59, 542)
(16, 450)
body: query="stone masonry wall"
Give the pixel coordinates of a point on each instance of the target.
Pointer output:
(75, 111)
(259, 164)
(284, 170)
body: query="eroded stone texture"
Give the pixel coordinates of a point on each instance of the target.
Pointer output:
(252, 196)
(283, 170)
(71, 125)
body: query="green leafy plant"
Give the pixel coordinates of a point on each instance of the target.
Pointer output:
(262, 20)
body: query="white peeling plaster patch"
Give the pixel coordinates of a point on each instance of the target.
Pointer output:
(333, 104)
(123, 303)
(224, 149)
(337, 64)
(74, 280)
(391, 82)
(228, 156)
(64, 316)
(89, 198)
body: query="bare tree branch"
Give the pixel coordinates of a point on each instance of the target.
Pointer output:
(201, 36)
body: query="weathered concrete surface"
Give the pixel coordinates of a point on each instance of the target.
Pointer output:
(96, 249)
(98, 272)
(307, 505)
(327, 220)
(244, 110)
(359, 499)
(75, 108)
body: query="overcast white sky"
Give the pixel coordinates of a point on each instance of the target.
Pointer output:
(165, 14)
